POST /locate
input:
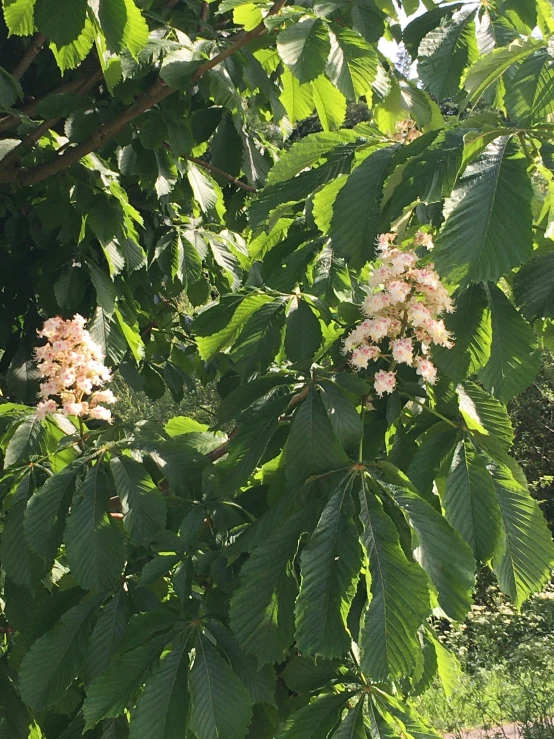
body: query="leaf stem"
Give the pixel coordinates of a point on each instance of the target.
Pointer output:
(431, 410)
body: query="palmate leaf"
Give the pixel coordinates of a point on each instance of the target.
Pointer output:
(163, 708)
(54, 660)
(356, 210)
(470, 503)
(442, 552)
(113, 689)
(399, 596)
(304, 48)
(143, 506)
(444, 53)
(28, 441)
(490, 67)
(303, 336)
(353, 724)
(315, 720)
(312, 446)
(488, 217)
(352, 65)
(523, 561)
(46, 509)
(330, 566)
(94, 543)
(221, 705)
(514, 359)
(262, 607)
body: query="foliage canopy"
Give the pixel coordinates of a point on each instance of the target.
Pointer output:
(277, 573)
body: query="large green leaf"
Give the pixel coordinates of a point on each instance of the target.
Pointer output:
(306, 152)
(28, 441)
(61, 21)
(303, 337)
(470, 504)
(260, 339)
(54, 660)
(488, 218)
(112, 690)
(471, 327)
(330, 103)
(345, 419)
(221, 705)
(315, 720)
(353, 724)
(304, 48)
(356, 223)
(530, 94)
(399, 597)
(19, 16)
(123, 25)
(143, 506)
(444, 53)
(490, 67)
(352, 65)
(534, 287)
(163, 708)
(94, 543)
(262, 607)
(46, 510)
(296, 99)
(330, 566)
(108, 632)
(514, 359)
(445, 556)
(485, 413)
(312, 446)
(523, 561)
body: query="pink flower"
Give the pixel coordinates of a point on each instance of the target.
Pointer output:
(398, 291)
(103, 396)
(426, 369)
(101, 413)
(384, 382)
(423, 239)
(45, 408)
(402, 350)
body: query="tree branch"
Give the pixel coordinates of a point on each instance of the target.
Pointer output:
(28, 58)
(157, 92)
(221, 173)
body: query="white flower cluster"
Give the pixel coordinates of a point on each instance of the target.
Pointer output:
(403, 308)
(73, 367)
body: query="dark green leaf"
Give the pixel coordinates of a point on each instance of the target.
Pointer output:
(61, 21)
(303, 337)
(143, 506)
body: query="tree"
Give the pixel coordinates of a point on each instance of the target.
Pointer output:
(279, 579)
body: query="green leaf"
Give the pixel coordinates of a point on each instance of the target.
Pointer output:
(106, 295)
(221, 705)
(399, 597)
(18, 561)
(61, 21)
(330, 566)
(312, 447)
(94, 543)
(470, 504)
(530, 94)
(262, 607)
(108, 632)
(111, 692)
(54, 660)
(10, 89)
(490, 67)
(163, 708)
(202, 187)
(19, 16)
(444, 53)
(143, 506)
(303, 337)
(534, 287)
(123, 26)
(490, 414)
(296, 99)
(315, 720)
(471, 327)
(447, 559)
(414, 32)
(304, 48)
(522, 562)
(488, 217)
(71, 55)
(514, 360)
(107, 333)
(260, 339)
(28, 441)
(345, 419)
(352, 65)
(330, 104)
(306, 152)
(46, 511)
(353, 724)
(356, 211)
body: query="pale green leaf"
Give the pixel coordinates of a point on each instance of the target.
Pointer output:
(304, 48)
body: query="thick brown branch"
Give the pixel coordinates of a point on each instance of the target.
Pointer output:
(222, 449)
(157, 92)
(29, 56)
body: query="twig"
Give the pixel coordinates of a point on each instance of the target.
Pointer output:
(157, 92)
(30, 108)
(221, 173)
(28, 58)
(222, 449)
(6, 629)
